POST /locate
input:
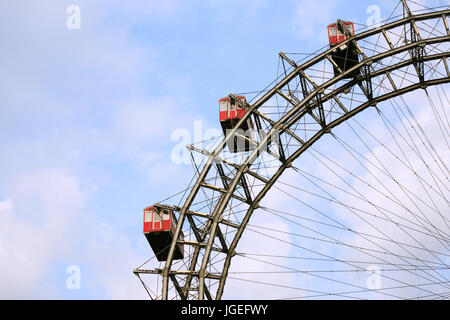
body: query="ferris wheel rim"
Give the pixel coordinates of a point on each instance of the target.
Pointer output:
(225, 198)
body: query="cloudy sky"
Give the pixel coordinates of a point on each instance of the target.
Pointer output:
(87, 116)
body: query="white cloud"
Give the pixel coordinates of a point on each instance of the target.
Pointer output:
(66, 103)
(45, 224)
(37, 226)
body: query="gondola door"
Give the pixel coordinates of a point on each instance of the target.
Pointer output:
(157, 223)
(232, 110)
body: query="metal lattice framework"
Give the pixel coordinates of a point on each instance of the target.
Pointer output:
(396, 58)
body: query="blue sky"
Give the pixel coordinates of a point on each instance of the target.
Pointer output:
(86, 118)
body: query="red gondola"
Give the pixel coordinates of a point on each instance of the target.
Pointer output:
(336, 36)
(159, 229)
(230, 112)
(345, 56)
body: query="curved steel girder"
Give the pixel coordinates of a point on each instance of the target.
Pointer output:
(294, 114)
(300, 151)
(225, 197)
(304, 148)
(308, 144)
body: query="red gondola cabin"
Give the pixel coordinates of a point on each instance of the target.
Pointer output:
(345, 56)
(336, 36)
(159, 229)
(230, 112)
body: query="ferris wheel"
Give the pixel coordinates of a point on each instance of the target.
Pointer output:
(332, 182)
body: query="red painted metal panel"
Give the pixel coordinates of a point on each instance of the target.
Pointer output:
(230, 112)
(148, 218)
(156, 222)
(335, 36)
